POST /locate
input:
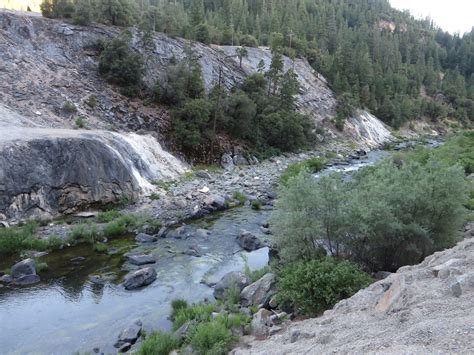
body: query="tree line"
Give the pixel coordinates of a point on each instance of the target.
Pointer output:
(380, 58)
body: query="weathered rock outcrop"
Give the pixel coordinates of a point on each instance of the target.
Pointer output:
(422, 309)
(46, 171)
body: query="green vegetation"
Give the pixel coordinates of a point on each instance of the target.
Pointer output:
(256, 274)
(119, 64)
(257, 205)
(108, 216)
(92, 101)
(309, 287)
(209, 333)
(312, 166)
(372, 55)
(19, 238)
(389, 215)
(80, 123)
(100, 247)
(165, 185)
(239, 196)
(69, 107)
(84, 233)
(154, 197)
(267, 120)
(158, 343)
(41, 267)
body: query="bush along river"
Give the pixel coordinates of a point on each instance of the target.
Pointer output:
(82, 302)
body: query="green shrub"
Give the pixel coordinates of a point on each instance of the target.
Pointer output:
(211, 338)
(200, 312)
(119, 64)
(388, 215)
(92, 101)
(108, 216)
(69, 107)
(41, 267)
(257, 205)
(312, 166)
(154, 197)
(256, 274)
(80, 123)
(232, 295)
(312, 286)
(239, 196)
(100, 247)
(158, 344)
(84, 233)
(114, 228)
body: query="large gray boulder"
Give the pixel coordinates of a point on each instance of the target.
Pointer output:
(26, 280)
(23, 268)
(258, 293)
(248, 241)
(232, 279)
(139, 278)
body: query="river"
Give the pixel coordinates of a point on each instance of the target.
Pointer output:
(73, 310)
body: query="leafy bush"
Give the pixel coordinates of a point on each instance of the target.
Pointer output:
(114, 228)
(387, 216)
(211, 338)
(119, 64)
(80, 123)
(200, 312)
(108, 216)
(69, 107)
(158, 344)
(92, 101)
(312, 286)
(312, 165)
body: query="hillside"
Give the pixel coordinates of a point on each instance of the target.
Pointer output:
(422, 309)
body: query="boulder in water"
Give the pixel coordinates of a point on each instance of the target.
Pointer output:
(145, 238)
(248, 241)
(140, 259)
(139, 278)
(24, 267)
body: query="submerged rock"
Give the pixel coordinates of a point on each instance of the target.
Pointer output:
(232, 279)
(145, 238)
(139, 278)
(26, 280)
(141, 259)
(248, 241)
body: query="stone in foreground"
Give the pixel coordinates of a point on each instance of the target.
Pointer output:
(232, 279)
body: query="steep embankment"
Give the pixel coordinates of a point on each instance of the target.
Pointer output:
(48, 78)
(421, 309)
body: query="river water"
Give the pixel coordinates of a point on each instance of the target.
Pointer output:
(71, 311)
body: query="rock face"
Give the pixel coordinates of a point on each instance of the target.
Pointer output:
(423, 309)
(46, 171)
(139, 278)
(232, 279)
(258, 293)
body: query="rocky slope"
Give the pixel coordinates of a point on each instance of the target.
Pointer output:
(420, 309)
(48, 73)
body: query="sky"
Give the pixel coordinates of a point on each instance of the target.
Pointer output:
(451, 15)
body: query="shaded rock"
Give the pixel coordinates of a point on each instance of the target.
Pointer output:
(248, 241)
(25, 280)
(261, 322)
(139, 278)
(380, 275)
(227, 162)
(145, 238)
(240, 160)
(455, 288)
(124, 348)
(232, 279)
(6, 279)
(203, 175)
(258, 293)
(140, 259)
(129, 334)
(78, 259)
(218, 202)
(24, 267)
